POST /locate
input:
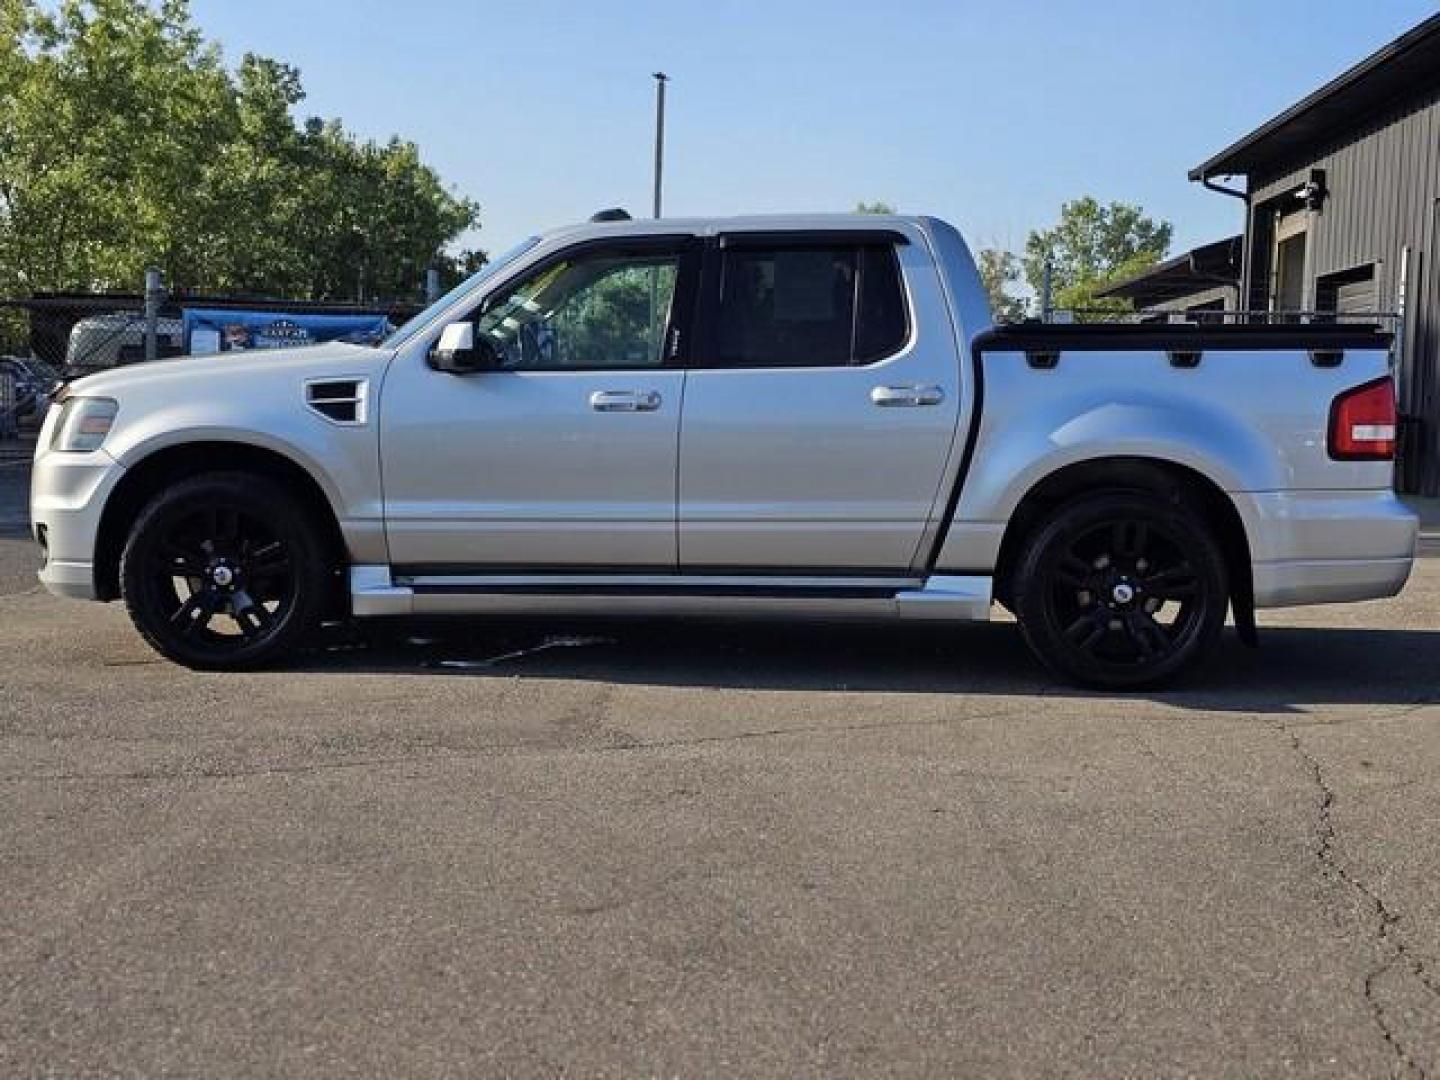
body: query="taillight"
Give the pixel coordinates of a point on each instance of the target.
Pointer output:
(1362, 423)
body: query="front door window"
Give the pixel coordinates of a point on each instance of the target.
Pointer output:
(585, 312)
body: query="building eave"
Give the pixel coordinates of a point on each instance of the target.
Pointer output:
(1205, 267)
(1407, 66)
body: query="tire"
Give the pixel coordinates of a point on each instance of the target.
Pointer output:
(225, 571)
(1121, 590)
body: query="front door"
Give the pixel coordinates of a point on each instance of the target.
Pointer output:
(564, 455)
(821, 406)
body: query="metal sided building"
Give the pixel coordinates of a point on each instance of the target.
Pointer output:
(1342, 198)
(1202, 285)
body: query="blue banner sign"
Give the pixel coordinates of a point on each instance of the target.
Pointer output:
(212, 330)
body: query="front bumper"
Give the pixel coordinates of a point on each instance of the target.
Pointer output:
(1327, 547)
(67, 498)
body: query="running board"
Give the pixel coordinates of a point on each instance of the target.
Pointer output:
(375, 592)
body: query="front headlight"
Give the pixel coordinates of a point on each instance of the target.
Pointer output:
(83, 424)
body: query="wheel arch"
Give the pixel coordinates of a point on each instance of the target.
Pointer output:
(166, 465)
(1156, 476)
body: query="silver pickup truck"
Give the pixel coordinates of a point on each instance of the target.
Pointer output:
(798, 415)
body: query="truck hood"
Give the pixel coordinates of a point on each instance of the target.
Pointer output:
(230, 367)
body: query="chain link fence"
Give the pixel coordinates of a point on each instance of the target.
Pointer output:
(25, 385)
(9, 410)
(49, 338)
(46, 340)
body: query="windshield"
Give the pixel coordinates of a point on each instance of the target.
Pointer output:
(488, 270)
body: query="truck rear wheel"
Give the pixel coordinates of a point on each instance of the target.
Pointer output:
(224, 571)
(1121, 589)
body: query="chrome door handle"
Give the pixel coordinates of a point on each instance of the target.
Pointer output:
(625, 401)
(906, 397)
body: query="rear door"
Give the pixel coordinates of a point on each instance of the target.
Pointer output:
(820, 405)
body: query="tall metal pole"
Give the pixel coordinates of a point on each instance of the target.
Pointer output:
(154, 297)
(660, 80)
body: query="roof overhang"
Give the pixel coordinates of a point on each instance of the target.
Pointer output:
(1408, 66)
(1203, 268)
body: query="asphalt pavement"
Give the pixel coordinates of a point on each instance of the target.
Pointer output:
(670, 849)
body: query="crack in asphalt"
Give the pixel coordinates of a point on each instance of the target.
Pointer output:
(551, 641)
(1386, 921)
(492, 749)
(1401, 712)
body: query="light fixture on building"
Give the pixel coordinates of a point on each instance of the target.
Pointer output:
(1312, 192)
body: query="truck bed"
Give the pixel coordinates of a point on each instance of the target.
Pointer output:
(1182, 337)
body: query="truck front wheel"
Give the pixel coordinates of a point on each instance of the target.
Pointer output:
(1121, 589)
(224, 571)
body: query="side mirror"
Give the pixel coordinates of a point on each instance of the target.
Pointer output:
(459, 352)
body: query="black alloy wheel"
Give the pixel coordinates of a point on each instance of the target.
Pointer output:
(1122, 590)
(223, 571)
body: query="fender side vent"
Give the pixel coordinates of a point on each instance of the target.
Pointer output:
(341, 401)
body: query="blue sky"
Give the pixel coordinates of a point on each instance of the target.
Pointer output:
(987, 113)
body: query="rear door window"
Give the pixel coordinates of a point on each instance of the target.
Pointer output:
(808, 305)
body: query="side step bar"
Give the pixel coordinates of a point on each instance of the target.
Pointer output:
(374, 591)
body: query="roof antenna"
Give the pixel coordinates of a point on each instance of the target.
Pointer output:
(615, 213)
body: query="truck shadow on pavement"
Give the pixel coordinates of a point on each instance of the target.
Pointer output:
(1295, 668)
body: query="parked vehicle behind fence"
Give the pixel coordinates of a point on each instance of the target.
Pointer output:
(101, 342)
(782, 416)
(31, 391)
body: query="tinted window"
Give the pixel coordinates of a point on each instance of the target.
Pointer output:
(809, 306)
(491, 268)
(594, 310)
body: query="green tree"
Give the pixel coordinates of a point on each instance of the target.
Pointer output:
(455, 267)
(126, 141)
(874, 208)
(372, 216)
(254, 191)
(999, 270)
(1091, 246)
(617, 316)
(106, 104)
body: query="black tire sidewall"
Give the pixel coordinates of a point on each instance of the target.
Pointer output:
(1047, 640)
(254, 495)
